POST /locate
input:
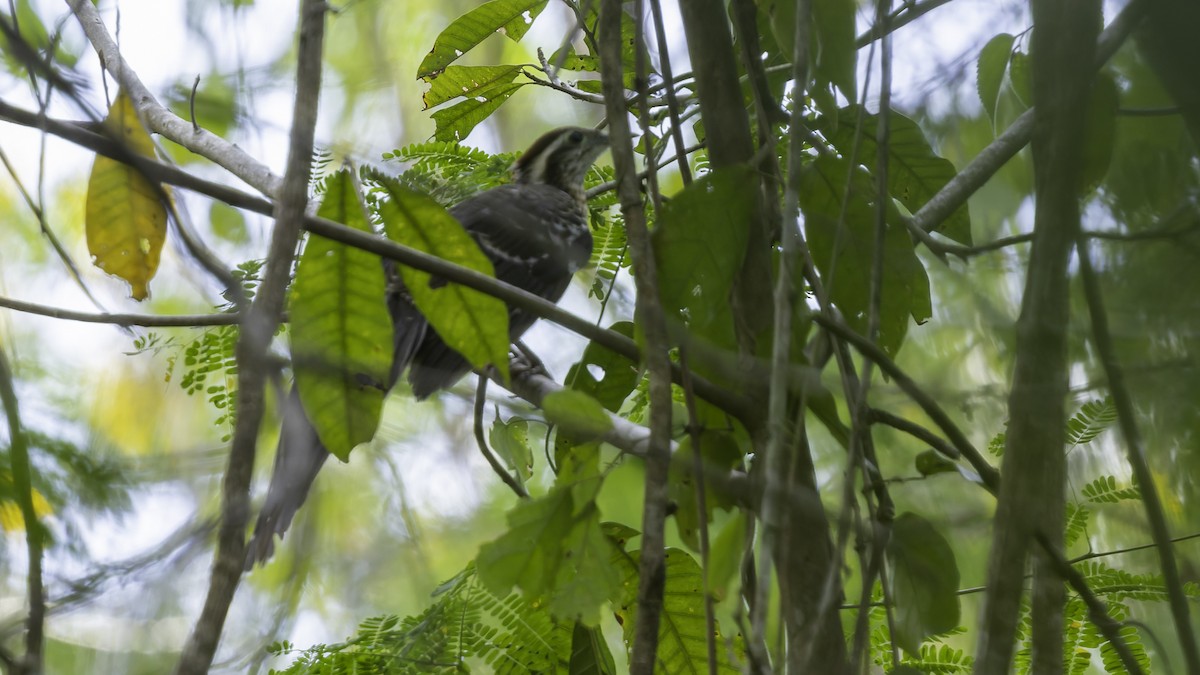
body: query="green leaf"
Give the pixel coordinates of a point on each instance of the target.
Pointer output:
(719, 453)
(832, 52)
(228, 223)
(924, 581)
(905, 284)
(577, 413)
(589, 652)
(996, 445)
(468, 82)
(455, 122)
(1093, 418)
(1104, 490)
(555, 549)
(509, 17)
(510, 440)
(931, 462)
(834, 45)
(1021, 78)
(1099, 129)
(1076, 522)
(682, 635)
(989, 74)
(215, 105)
(470, 322)
(699, 246)
(915, 172)
(727, 554)
(604, 374)
(341, 332)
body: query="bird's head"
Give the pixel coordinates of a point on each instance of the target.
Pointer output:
(561, 158)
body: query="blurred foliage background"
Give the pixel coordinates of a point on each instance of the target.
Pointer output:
(130, 464)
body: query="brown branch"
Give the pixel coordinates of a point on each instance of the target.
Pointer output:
(649, 315)
(673, 107)
(159, 119)
(693, 430)
(987, 473)
(23, 484)
(937, 443)
(730, 402)
(989, 160)
(1031, 500)
(48, 233)
(123, 320)
(261, 321)
(1136, 451)
(898, 19)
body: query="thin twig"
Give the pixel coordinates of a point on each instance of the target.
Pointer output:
(123, 320)
(987, 473)
(44, 224)
(481, 440)
(161, 120)
(939, 444)
(23, 483)
(776, 461)
(1136, 451)
(902, 17)
(664, 62)
(693, 429)
(1097, 612)
(971, 177)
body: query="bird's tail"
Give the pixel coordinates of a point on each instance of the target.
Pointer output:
(299, 457)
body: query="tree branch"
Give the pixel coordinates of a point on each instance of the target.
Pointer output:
(977, 172)
(23, 483)
(1136, 451)
(161, 120)
(730, 402)
(254, 339)
(123, 320)
(649, 314)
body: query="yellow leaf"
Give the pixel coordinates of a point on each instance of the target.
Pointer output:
(125, 219)
(11, 519)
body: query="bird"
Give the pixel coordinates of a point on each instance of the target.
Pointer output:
(534, 231)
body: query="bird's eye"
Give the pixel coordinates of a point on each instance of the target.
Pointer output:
(576, 137)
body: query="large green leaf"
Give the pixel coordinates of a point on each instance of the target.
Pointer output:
(719, 453)
(468, 82)
(1099, 130)
(834, 44)
(699, 247)
(578, 413)
(615, 376)
(509, 17)
(455, 122)
(589, 652)
(470, 322)
(989, 73)
(510, 440)
(682, 636)
(832, 52)
(848, 272)
(924, 582)
(555, 550)
(915, 173)
(341, 333)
